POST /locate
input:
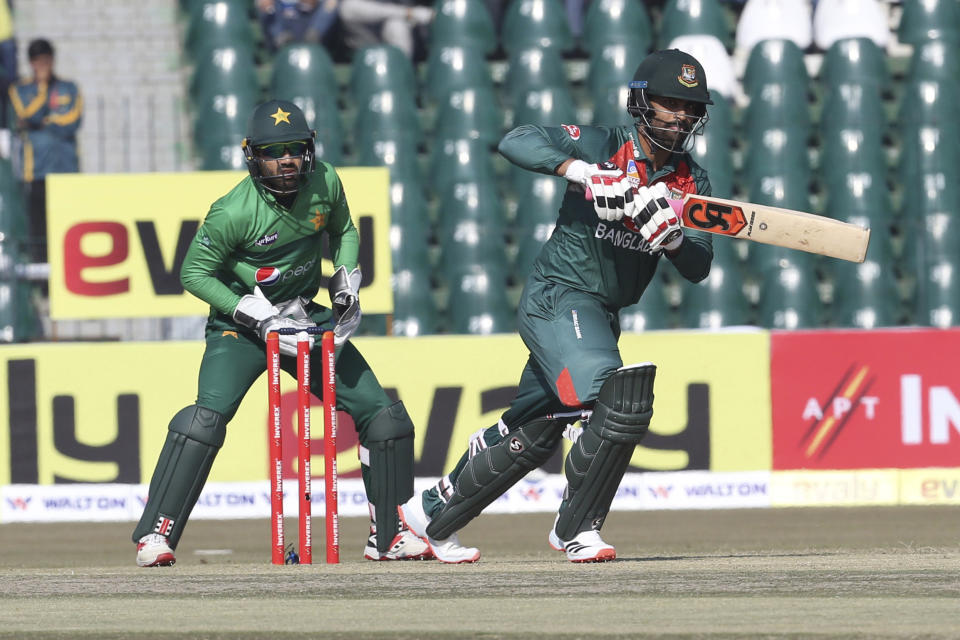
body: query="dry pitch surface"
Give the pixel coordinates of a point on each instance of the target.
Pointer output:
(787, 573)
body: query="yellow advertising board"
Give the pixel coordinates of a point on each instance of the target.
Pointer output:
(116, 242)
(930, 486)
(98, 412)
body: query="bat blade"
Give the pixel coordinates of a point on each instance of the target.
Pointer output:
(772, 225)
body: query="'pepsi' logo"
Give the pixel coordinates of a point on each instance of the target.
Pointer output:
(267, 276)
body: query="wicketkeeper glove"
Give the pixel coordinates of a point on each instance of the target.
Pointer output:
(344, 291)
(658, 222)
(606, 184)
(254, 311)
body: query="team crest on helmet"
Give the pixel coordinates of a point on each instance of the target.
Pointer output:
(280, 116)
(688, 76)
(572, 130)
(267, 276)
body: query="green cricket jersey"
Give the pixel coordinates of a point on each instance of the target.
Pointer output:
(608, 259)
(248, 239)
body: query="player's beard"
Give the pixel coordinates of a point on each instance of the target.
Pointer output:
(284, 178)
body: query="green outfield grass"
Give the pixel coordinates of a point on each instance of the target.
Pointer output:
(787, 573)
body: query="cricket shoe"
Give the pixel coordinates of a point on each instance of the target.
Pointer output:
(405, 546)
(586, 546)
(153, 551)
(448, 550)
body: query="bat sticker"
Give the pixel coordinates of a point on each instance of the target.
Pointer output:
(714, 217)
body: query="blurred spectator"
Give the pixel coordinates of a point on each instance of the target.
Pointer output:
(286, 21)
(46, 113)
(368, 22)
(8, 60)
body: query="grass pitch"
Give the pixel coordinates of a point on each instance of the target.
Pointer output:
(773, 573)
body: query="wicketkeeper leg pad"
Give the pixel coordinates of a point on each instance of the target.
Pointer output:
(600, 456)
(389, 444)
(194, 437)
(494, 469)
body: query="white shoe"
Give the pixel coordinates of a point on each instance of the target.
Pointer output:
(586, 546)
(405, 546)
(153, 551)
(448, 550)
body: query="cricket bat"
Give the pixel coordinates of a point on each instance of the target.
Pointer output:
(772, 225)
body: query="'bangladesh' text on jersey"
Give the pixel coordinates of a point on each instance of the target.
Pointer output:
(248, 240)
(609, 259)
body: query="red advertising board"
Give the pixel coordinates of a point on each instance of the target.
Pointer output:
(866, 399)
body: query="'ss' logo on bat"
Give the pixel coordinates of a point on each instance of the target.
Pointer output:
(714, 217)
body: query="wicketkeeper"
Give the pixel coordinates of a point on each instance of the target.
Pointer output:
(256, 262)
(614, 228)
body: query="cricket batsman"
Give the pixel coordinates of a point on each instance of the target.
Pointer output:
(256, 262)
(614, 227)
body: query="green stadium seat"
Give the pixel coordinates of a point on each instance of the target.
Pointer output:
(862, 199)
(789, 299)
(777, 168)
(410, 228)
(414, 309)
(854, 61)
(477, 201)
(538, 201)
(852, 106)
(478, 302)
(623, 22)
(381, 67)
(397, 150)
(610, 107)
(468, 243)
(227, 70)
(930, 20)
(718, 301)
(775, 62)
(459, 160)
(535, 23)
(612, 65)
(650, 314)
(546, 107)
(865, 295)
(929, 151)
(927, 103)
(303, 70)
(712, 149)
(777, 106)
(853, 151)
(688, 17)
(388, 112)
(219, 23)
(472, 113)
(221, 121)
(455, 67)
(463, 22)
(936, 60)
(938, 293)
(533, 68)
(221, 155)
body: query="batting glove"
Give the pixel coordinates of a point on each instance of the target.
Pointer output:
(344, 291)
(606, 184)
(658, 222)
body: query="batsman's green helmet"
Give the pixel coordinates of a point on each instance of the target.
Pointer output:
(670, 73)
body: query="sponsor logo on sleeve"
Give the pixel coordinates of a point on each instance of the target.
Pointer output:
(572, 130)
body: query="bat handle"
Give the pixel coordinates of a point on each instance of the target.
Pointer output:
(677, 206)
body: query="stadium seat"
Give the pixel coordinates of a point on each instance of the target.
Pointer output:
(398, 151)
(854, 61)
(228, 70)
(853, 151)
(860, 198)
(468, 243)
(547, 107)
(455, 67)
(612, 65)
(773, 20)
(929, 150)
(836, 20)
(718, 301)
(535, 23)
(865, 295)
(381, 67)
(776, 62)
(478, 302)
(938, 293)
(471, 113)
(622, 22)
(533, 68)
(221, 154)
(930, 20)
(778, 152)
(777, 106)
(789, 299)
(537, 209)
(219, 23)
(683, 17)
(610, 107)
(459, 160)
(388, 112)
(717, 64)
(935, 60)
(303, 69)
(477, 201)
(414, 309)
(650, 314)
(222, 118)
(410, 228)
(929, 103)
(857, 106)
(712, 149)
(463, 22)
